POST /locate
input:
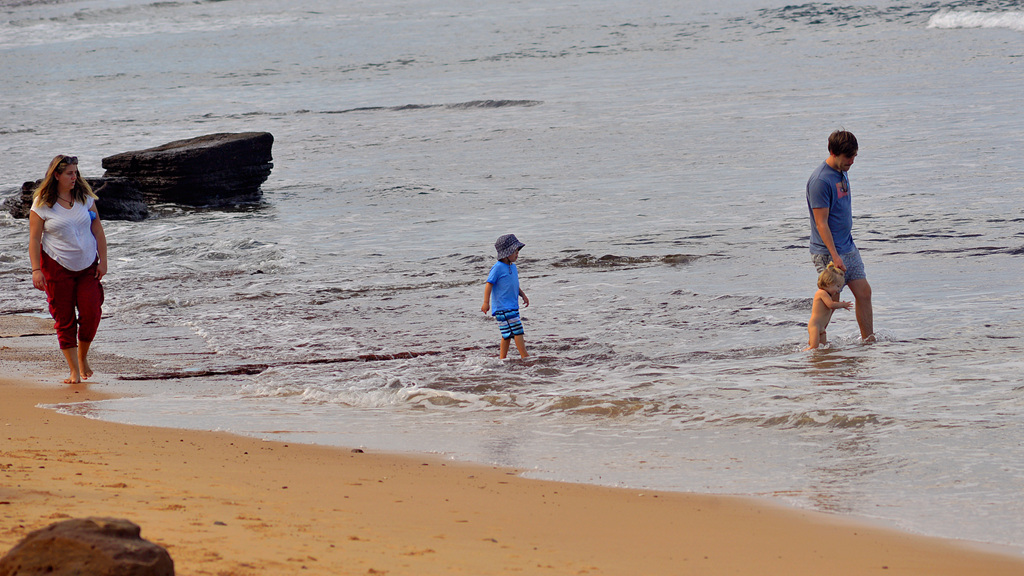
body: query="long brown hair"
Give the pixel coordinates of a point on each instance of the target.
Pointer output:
(46, 192)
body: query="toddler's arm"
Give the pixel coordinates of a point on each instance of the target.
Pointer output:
(526, 301)
(487, 297)
(826, 298)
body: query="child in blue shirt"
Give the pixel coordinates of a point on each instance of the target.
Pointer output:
(503, 284)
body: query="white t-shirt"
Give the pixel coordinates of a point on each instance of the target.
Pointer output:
(67, 234)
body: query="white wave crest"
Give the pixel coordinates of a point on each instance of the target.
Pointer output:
(946, 20)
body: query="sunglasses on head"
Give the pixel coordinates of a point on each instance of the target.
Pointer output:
(68, 160)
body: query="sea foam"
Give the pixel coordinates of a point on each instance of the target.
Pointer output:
(946, 20)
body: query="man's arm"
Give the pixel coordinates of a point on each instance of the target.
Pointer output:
(821, 223)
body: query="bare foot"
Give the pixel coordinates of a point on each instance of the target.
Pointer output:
(71, 355)
(869, 339)
(83, 353)
(86, 370)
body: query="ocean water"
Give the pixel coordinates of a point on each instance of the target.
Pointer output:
(652, 156)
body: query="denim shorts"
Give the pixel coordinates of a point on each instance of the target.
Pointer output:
(852, 261)
(509, 323)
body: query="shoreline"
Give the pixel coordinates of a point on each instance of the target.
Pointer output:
(227, 504)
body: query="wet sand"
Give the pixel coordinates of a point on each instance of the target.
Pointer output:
(229, 505)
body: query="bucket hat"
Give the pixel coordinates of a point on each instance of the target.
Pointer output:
(507, 245)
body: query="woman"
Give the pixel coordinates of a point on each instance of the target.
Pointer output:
(68, 251)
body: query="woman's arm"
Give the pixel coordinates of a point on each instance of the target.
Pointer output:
(101, 244)
(35, 249)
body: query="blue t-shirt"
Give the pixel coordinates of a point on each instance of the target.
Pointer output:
(504, 281)
(830, 188)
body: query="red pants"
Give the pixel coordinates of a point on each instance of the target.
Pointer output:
(66, 291)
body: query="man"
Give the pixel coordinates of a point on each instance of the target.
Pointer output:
(829, 203)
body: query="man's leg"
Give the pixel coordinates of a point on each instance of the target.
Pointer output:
(865, 317)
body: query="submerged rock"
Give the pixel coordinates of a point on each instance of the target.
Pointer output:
(93, 546)
(211, 170)
(613, 261)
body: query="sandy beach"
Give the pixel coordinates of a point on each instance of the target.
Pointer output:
(230, 505)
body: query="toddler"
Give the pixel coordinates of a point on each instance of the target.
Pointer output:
(503, 284)
(826, 300)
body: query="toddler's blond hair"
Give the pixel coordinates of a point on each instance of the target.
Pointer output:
(831, 276)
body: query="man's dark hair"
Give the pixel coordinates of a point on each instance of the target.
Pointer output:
(842, 143)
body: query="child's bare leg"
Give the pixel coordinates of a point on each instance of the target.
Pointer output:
(812, 338)
(503, 351)
(71, 355)
(83, 359)
(521, 346)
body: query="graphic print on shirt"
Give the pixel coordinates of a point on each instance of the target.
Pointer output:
(842, 188)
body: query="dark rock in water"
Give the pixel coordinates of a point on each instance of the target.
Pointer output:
(93, 546)
(118, 199)
(20, 204)
(211, 170)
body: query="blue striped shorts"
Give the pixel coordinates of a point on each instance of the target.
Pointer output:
(509, 323)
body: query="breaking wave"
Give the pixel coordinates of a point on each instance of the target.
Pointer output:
(948, 20)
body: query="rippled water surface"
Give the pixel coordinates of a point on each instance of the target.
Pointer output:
(653, 159)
